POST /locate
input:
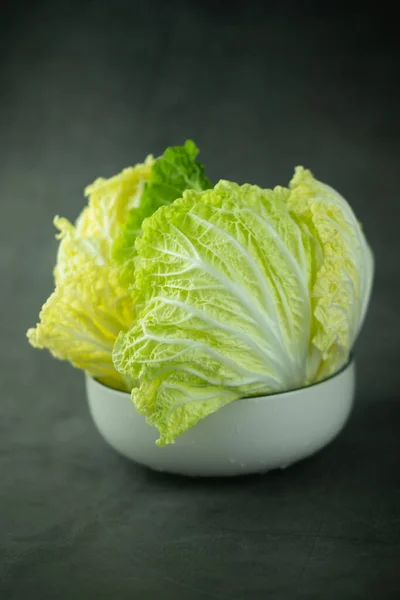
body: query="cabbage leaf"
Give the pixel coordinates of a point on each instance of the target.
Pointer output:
(244, 292)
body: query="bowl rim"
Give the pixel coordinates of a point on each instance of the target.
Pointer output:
(292, 392)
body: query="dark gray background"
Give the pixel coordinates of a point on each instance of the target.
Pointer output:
(87, 88)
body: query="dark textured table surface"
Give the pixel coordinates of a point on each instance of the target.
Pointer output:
(88, 88)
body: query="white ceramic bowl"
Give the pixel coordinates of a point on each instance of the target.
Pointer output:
(247, 436)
